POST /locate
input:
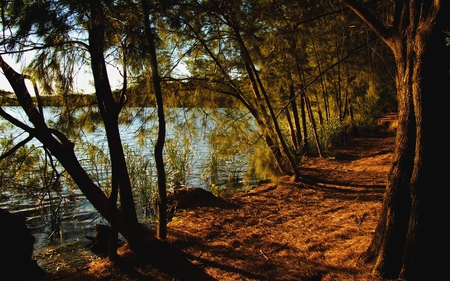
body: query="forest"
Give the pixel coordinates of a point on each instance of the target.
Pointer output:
(298, 90)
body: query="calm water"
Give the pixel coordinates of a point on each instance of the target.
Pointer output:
(69, 217)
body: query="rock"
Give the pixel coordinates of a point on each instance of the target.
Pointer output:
(193, 197)
(17, 249)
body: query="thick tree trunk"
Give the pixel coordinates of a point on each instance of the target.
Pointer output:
(427, 241)
(411, 239)
(387, 247)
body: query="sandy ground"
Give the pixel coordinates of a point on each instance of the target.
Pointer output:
(310, 230)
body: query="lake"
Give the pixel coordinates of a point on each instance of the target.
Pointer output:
(195, 155)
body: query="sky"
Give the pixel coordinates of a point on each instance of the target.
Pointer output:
(4, 84)
(83, 81)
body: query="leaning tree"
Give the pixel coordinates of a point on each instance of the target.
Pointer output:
(61, 33)
(411, 240)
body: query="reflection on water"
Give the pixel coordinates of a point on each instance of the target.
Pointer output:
(56, 221)
(59, 226)
(65, 217)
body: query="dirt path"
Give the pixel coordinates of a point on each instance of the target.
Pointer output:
(314, 230)
(363, 163)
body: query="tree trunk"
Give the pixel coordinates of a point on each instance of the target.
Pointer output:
(109, 110)
(162, 195)
(307, 103)
(387, 247)
(295, 144)
(319, 110)
(411, 239)
(255, 109)
(305, 143)
(427, 241)
(338, 87)
(60, 147)
(313, 124)
(298, 130)
(262, 97)
(322, 83)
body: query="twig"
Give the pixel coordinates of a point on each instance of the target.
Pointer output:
(264, 255)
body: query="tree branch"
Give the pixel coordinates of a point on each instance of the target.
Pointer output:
(368, 18)
(15, 121)
(321, 74)
(38, 46)
(16, 147)
(62, 138)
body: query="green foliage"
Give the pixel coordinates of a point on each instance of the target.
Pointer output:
(370, 103)
(216, 190)
(330, 132)
(262, 164)
(29, 171)
(140, 168)
(7, 99)
(367, 110)
(211, 169)
(32, 177)
(178, 161)
(288, 43)
(142, 174)
(98, 164)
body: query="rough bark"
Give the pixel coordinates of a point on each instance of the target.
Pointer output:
(411, 240)
(427, 240)
(387, 247)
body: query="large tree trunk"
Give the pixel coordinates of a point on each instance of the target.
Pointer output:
(387, 247)
(427, 241)
(411, 239)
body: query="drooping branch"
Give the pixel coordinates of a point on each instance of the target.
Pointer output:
(17, 82)
(321, 74)
(36, 46)
(36, 117)
(16, 147)
(235, 89)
